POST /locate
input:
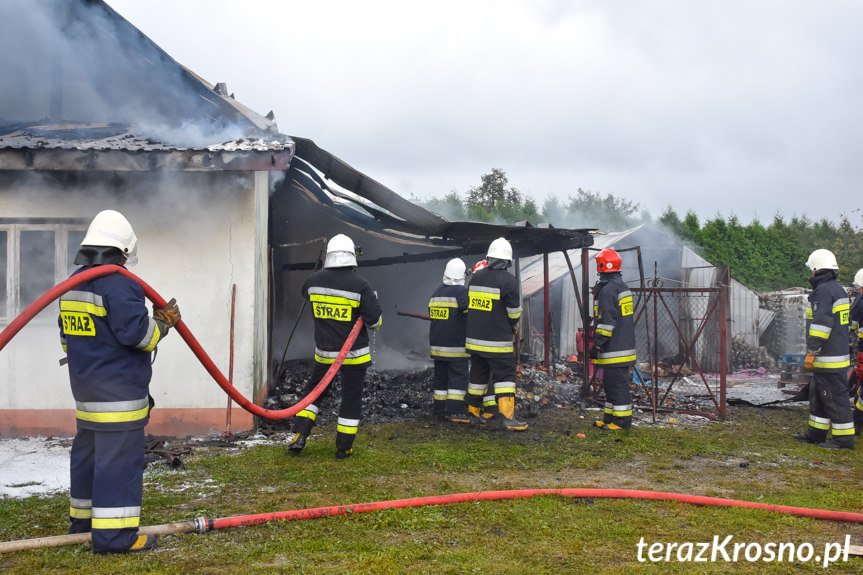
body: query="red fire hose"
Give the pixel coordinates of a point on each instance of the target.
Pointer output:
(42, 302)
(203, 524)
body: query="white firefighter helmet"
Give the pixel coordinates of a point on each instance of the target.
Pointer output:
(454, 272)
(822, 260)
(858, 278)
(340, 252)
(500, 249)
(110, 228)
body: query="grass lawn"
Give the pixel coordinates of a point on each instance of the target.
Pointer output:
(750, 456)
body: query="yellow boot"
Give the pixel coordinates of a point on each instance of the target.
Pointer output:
(474, 415)
(507, 414)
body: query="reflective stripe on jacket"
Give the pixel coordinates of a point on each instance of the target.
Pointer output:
(448, 313)
(339, 297)
(494, 308)
(108, 336)
(614, 329)
(829, 316)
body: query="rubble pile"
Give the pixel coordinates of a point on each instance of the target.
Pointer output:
(745, 356)
(391, 396)
(401, 395)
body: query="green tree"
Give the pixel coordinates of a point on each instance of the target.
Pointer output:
(762, 257)
(493, 193)
(671, 221)
(609, 211)
(848, 248)
(450, 206)
(494, 201)
(554, 212)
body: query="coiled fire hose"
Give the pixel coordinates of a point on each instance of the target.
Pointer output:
(203, 524)
(42, 302)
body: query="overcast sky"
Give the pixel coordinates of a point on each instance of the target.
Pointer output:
(744, 107)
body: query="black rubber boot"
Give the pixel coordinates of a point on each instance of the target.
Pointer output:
(841, 442)
(297, 443)
(810, 436)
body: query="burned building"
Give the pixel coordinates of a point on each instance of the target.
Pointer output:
(231, 215)
(93, 115)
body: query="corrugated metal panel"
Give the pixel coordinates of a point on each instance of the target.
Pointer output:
(746, 318)
(745, 313)
(532, 268)
(765, 319)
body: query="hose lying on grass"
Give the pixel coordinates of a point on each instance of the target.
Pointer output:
(42, 302)
(203, 524)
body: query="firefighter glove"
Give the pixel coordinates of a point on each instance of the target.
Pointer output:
(170, 314)
(809, 361)
(593, 353)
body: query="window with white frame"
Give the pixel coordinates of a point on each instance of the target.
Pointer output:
(35, 255)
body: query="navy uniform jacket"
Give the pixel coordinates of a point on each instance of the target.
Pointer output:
(448, 313)
(494, 309)
(339, 297)
(614, 330)
(108, 336)
(828, 315)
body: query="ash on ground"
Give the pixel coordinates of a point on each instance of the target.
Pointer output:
(391, 396)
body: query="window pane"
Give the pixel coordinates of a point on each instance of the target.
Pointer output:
(4, 238)
(73, 244)
(37, 265)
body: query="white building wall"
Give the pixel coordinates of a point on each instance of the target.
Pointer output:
(198, 235)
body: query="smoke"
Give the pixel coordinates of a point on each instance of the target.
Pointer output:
(79, 61)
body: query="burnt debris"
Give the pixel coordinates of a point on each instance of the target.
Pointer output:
(400, 395)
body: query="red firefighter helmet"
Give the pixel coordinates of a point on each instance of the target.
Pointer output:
(480, 265)
(607, 260)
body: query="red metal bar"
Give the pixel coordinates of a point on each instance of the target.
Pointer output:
(546, 314)
(723, 319)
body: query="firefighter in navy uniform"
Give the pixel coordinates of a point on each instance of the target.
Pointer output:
(856, 323)
(494, 310)
(108, 337)
(828, 315)
(448, 313)
(613, 346)
(339, 297)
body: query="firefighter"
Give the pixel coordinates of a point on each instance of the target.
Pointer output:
(857, 374)
(448, 313)
(494, 310)
(828, 318)
(109, 338)
(613, 347)
(339, 297)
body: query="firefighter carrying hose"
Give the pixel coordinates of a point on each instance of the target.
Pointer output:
(613, 346)
(339, 297)
(494, 310)
(828, 318)
(448, 313)
(109, 338)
